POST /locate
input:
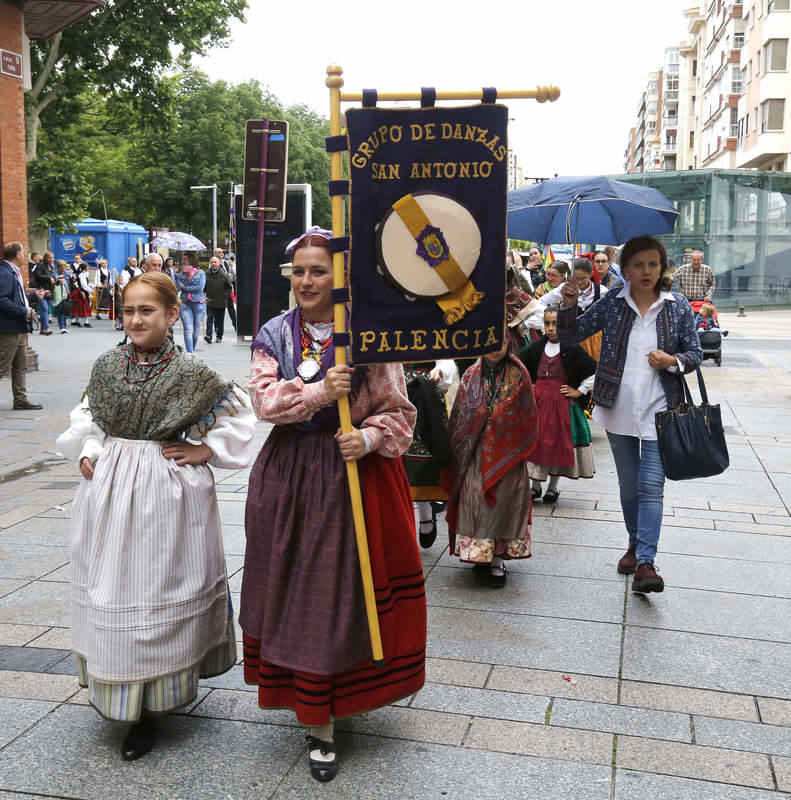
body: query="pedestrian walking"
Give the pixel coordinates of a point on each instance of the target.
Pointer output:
(61, 295)
(427, 385)
(696, 279)
(152, 614)
(306, 640)
(648, 335)
(43, 278)
(191, 283)
(562, 376)
(15, 311)
(493, 428)
(218, 292)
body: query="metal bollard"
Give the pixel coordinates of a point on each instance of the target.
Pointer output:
(741, 312)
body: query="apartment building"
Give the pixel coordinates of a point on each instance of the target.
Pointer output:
(763, 128)
(724, 94)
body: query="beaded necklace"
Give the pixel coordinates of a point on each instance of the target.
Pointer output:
(131, 360)
(312, 347)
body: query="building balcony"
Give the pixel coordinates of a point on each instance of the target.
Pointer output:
(669, 148)
(670, 95)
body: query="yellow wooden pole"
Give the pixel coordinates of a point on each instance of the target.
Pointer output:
(540, 93)
(334, 82)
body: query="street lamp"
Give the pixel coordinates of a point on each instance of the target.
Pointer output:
(213, 187)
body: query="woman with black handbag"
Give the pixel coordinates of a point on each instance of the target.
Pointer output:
(648, 336)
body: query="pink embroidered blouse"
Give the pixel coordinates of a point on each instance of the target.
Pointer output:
(380, 406)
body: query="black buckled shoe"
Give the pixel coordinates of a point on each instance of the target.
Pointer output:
(428, 538)
(321, 770)
(551, 496)
(139, 740)
(497, 576)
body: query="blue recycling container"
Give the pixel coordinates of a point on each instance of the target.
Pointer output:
(98, 238)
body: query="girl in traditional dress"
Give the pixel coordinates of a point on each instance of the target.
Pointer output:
(429, 452)
(306, 639)
(81, 297)
(493, 428)
(561, 375)
(150, 603)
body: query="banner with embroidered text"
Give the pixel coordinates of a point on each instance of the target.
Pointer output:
(428, 230)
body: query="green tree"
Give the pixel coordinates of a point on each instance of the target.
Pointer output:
(121, 49)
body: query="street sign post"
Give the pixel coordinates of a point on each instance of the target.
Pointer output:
(264, 192)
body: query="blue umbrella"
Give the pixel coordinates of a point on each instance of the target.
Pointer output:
(588, 210)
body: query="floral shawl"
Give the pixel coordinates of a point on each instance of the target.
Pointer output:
(184, 394)
(506, 434)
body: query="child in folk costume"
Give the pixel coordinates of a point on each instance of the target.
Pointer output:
(493, 427)
(561, 376)
(429, 452)
(150, 601)
(306, 640)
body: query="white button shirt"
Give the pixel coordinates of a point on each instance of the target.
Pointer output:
(641, 393)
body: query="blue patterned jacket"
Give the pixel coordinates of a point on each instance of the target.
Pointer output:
(675, 332)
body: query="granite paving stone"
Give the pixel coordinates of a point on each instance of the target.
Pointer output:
(742, 666)
(719, 613)
(233, 538)
(59, 638)
(751, 736)
(619, 719)
(45, 531)
(29, 563)
(542, 595)
(525, 641)
(38, 603)
(457, 673)
(630, 784)
(66, 666)
(743, 577)
(552, 684)
(409, 723)
(386, 769)
(195, 758)
(482, 702)
(231, 512)
(60, 575)
(17, 716)
(753, 527)
(30, 659)
(694, 761)
(688, 701)
(8, 586)
(590, 747)
(233, 679)
(37, 686)
(19, 635)
(242, 706)
(775, 711)
(782, 768)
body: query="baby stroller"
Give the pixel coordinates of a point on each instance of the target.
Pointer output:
(711, 342)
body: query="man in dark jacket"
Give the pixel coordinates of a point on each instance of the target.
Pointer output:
(43, 278)
(218, 290)
(15, 311)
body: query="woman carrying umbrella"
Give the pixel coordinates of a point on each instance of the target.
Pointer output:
(648, 334)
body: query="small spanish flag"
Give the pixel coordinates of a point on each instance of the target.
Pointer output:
(549, 257)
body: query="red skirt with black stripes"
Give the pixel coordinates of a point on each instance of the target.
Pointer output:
(306, 641)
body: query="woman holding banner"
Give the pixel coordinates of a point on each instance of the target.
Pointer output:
(306, 639)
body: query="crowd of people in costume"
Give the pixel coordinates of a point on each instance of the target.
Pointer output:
(152, 610)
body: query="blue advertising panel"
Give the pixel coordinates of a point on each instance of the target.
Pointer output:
(112, 239)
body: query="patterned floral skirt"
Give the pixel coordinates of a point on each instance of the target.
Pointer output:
(503, 529)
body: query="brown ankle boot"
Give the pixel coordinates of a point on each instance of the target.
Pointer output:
(628, 563)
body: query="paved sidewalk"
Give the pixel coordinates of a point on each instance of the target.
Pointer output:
(686, 694)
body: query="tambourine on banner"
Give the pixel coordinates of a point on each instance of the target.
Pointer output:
(428, 191)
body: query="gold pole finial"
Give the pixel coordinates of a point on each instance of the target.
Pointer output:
(334, 78)
(544, 93)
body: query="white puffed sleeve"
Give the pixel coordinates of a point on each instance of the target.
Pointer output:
(84, 438)
(449, 371)
(231, 432)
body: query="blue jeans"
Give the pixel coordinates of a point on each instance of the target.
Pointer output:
(62, 318)
(191, 315)
(642, 483)
(43, 307)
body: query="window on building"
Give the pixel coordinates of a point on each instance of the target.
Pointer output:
(651, 108)
(748, 72)
(747, 124)
(694, 98)
(736, 80)
(776, 55)
(755, 118)
(734, 126)
(738, 41)
(779, 5)
(691, 139)
(772, 113)
(694, 67)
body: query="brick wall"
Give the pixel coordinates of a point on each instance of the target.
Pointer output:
(13, 179)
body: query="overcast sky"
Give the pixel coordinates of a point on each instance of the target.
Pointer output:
(598, 53)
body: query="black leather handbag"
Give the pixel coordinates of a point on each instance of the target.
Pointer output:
(691, 438)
